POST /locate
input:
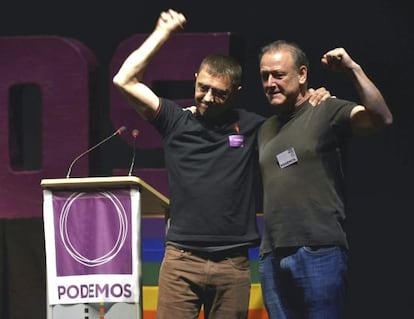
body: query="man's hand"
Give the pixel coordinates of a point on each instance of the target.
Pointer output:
(338, 60)
(171, 21)
(319, 95)
(192, 109)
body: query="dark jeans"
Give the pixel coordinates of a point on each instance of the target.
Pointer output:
(304, 283)
(189, 280)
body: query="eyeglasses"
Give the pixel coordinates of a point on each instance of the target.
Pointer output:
(216, 93)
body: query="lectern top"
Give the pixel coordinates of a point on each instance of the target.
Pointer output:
(153, 202)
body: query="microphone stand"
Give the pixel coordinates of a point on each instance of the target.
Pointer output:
(135, 134)
(117, 132)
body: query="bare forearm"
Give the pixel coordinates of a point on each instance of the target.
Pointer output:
(132, 70)
(129, 77)
(371, 98)
(134, 66)
(373, 113)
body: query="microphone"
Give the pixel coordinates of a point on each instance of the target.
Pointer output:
(117, 132)
(135, 134)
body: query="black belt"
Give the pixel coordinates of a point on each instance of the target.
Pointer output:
(287, 251)
(221, 254)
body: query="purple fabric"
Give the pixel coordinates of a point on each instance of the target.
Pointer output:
(93, 232)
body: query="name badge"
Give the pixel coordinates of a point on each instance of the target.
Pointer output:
(236, 140)
(287, 157)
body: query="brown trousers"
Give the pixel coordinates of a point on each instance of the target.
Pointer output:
(188, 281)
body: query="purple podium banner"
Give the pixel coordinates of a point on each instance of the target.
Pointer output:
(92, 246)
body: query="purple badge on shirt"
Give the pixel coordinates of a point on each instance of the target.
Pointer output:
(236, 140)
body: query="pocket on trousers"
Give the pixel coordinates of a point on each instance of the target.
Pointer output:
(240, 262)
(173, 253)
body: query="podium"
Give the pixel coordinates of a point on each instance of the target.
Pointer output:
(93, 245)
